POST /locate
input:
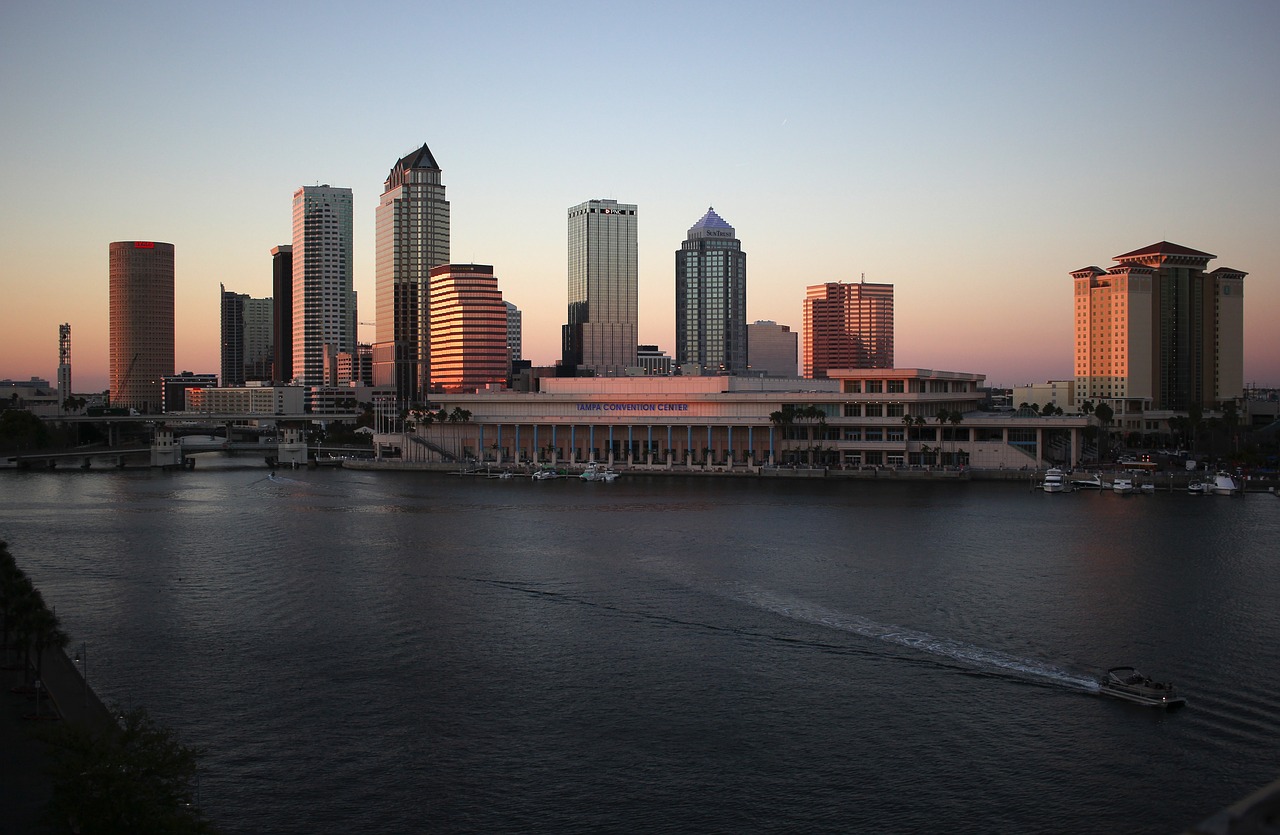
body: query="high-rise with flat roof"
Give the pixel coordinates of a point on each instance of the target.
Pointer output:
(1157, 331)
(282, 313)
(141, 323)
(324, 299)
(600, 336)
(412, 238)
(468, 328)
(515, 333)
(847, 326)
(711, 298)
(773, 350)
(246, 338)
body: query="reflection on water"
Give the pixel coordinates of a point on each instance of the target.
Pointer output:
(404, 652)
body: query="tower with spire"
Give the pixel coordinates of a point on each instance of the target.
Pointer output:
(711, 298)
(412, 237)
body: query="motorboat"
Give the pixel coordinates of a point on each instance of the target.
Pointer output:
(1199, 488)
(594, 472)
(1147, 487)
(545, 474)
(1224, 485)
(1132, 686)
(1054, 481)
(1094, 483)
(1123, 486)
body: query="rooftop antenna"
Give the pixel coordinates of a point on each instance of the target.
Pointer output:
(864, 278)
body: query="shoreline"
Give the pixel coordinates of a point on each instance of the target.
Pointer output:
(1165, 481)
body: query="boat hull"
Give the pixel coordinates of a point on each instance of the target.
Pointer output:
(1127, 684)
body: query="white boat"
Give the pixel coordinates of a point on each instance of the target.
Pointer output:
(1224, 485)
(1132, 686)
(1054, 481)
(1094, 483)
(1147, 487)
(1123, 486)
(1199, 488)
(545, 474)
(594, 472)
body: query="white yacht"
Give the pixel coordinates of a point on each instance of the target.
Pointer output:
(1092, 483)
(1224, 485)
(1054, 481)
(1123, 486)
(594, 472)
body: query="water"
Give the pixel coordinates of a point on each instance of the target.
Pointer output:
(410, 652)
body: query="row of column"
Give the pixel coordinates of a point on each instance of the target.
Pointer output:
(639, 444)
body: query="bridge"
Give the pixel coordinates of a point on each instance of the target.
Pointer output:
(169, 449)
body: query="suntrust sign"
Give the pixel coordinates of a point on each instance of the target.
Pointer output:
(633, 407)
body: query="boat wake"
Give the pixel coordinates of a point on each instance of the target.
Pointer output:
(982, 658)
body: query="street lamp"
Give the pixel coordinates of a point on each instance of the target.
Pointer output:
(82, 658)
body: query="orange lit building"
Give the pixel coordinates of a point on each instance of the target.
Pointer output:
(468, 329)
(1157, 331)
(847, 326)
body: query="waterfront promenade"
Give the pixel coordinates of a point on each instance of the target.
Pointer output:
(25, 786)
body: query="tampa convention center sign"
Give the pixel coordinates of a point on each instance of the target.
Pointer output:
(633, 407)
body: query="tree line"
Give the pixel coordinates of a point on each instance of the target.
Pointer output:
(131, 776)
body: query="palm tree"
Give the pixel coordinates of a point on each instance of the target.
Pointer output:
(46, 634)
(1104, 414)
(955, 419)
(783, 419)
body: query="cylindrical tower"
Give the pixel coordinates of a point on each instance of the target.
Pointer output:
(141, 309)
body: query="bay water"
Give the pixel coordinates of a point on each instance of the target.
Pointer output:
(414, 652)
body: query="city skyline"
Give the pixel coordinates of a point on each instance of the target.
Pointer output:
(973, 157)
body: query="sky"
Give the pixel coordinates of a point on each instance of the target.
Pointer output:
(971, 154)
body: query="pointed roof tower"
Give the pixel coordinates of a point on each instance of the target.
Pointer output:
(711, 225)
(419, 159)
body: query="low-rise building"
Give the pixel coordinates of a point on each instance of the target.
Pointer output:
(1061, 394)
(246, 400)
(855, 418)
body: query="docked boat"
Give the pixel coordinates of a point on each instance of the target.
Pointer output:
(1054, 481)
(1224, 485)
(545, 474)
(1094, 483)
(1199, 488)
(1132, 686)
(594, 472)
(1147, 487)
(1123, 486)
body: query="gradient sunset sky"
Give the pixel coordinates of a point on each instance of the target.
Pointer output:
(971, 154)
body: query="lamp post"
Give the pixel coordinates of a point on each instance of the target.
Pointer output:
(82, 658)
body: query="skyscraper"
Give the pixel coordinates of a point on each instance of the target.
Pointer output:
(324, 301)
(772, 349)
(282, 313)
(711, 298)
(412, 237)
(468, 328)
(847, 326)
(141, 314)
(1157, 331)
(600, 336)
(246, 338)
(515, 333)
